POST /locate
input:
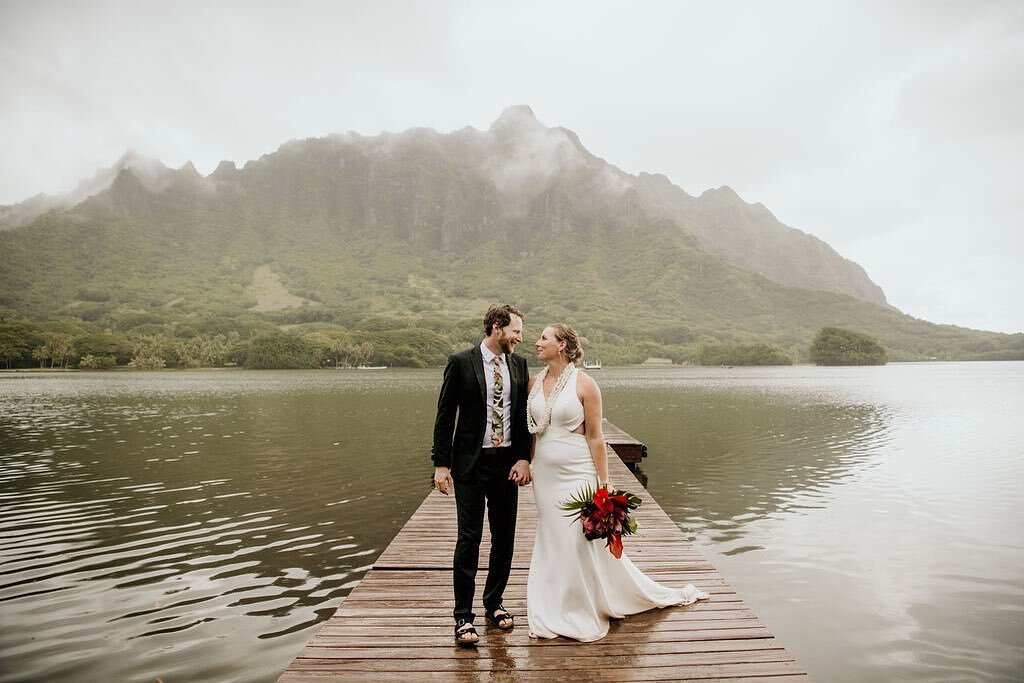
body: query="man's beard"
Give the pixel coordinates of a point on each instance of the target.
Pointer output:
(507, 345)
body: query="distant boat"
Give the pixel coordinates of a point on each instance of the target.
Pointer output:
(371, 367)
(591, 365)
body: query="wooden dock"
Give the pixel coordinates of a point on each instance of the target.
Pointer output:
(396, 625)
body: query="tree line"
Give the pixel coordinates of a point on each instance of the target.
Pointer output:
(24, 345)
(68, 344)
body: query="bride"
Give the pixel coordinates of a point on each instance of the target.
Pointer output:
(575, 586)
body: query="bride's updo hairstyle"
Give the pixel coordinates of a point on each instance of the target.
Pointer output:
(573, 348)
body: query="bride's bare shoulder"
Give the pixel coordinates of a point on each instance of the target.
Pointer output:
(586, 383)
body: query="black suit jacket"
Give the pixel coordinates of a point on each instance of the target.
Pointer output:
(462, 412)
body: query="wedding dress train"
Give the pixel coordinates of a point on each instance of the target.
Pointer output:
(575, 586)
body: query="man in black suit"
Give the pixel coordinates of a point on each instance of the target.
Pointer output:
(482, 451)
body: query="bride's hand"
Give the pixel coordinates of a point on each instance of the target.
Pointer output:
(520, 473)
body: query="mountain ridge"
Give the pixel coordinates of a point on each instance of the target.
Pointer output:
(421, 228)
(522, 157)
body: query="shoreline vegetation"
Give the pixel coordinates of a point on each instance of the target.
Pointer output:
(68, 343)
(255, 343)
(632, 366)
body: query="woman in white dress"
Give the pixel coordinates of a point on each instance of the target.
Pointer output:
(575, 586)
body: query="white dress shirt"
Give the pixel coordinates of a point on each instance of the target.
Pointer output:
(506, 399)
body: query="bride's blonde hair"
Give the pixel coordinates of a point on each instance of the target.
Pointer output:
(573, 347)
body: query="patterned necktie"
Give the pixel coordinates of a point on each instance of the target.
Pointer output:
(497, 406)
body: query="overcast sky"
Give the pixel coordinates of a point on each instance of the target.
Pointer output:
(892, 130)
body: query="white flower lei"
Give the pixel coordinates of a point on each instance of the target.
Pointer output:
(538, 384)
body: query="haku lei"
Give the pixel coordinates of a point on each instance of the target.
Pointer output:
(538, 384)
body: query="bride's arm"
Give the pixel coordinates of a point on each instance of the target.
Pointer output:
(533, 437)
(590, 397)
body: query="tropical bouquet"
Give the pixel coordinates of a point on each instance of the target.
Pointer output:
(603, 514)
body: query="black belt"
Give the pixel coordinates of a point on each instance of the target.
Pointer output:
(491, 452)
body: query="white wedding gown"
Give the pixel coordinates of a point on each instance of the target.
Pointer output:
(576, 585)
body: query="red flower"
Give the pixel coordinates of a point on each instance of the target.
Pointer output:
(615, 545)
(604, 502)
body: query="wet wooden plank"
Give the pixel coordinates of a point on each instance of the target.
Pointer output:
(396, 624)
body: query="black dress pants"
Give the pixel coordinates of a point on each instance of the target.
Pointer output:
(488, 481)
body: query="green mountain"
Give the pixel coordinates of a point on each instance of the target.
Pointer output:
(403, 239)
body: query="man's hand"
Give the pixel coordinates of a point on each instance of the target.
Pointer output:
(443, 480)
(521, 473)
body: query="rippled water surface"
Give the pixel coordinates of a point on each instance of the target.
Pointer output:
(198, 525)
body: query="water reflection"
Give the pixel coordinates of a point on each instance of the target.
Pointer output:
(722, 456)
(194, 512)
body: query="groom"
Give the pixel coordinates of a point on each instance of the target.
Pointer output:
(482, 451)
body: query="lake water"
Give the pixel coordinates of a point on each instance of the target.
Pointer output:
(197, 526)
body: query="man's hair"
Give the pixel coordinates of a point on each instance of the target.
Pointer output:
(500, 315)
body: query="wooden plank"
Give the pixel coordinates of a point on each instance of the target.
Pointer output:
(526, 658)
(629, 449)
(396, 624)
(514, 676)
(509, 670)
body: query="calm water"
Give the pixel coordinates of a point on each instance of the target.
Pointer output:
(196, 526)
